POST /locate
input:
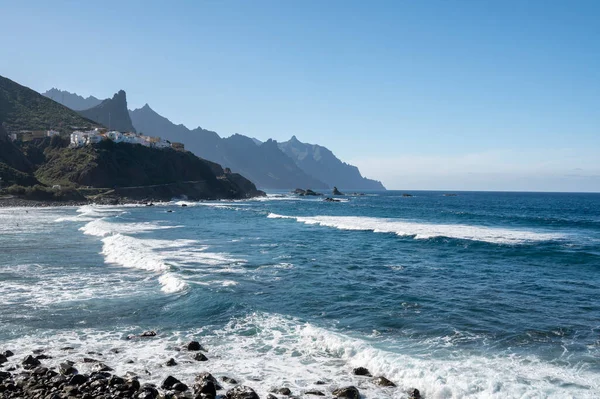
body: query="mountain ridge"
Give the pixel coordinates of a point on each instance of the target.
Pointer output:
(72, 100)
(112, 113)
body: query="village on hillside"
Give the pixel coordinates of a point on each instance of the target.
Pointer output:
(82, 138)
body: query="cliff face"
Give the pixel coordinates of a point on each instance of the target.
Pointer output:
(264, 164)
(321, 163)
(112, 113)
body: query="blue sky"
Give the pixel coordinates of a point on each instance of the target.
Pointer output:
(451, 95)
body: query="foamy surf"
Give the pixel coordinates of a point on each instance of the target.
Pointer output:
(495, 235)
(267, 351)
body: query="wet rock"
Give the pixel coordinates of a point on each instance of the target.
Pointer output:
(169, 382)
(336, 191)
(40, 370)
(89, 360)
(30, 362)
(407, 195)
(200, 357)
(134, 384)
(115, 380)
(148, 392)
(347, 392)
(67, 348)
(67, 368)
(100, 367)
(206, 376)
(43, 357)
(4, 375)
(3, 359)
(228, 380)
(148, 334)
(180, 387)
(241, 392)
(361, 371)
(284, 391)
(269, 396)
(384, 382)
(314, 393)
(171, 362)
(414, 393)
(78, 379)
(183, 205)
(8, 353)
(37, 351)
(320, 382)
(194, 346)
(328, 199)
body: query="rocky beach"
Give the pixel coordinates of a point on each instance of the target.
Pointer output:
(64, 375)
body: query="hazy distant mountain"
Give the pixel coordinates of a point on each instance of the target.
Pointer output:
(112, 113)
(264, 164)
(72, 100)
(321, 163)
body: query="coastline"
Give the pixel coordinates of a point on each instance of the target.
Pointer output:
(35, 374)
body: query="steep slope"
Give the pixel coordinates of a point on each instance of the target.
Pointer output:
(112, 113)
(263, 164)
(321, 163)
(15, 168)
(72, 100)
(138, 171)
(24, 109)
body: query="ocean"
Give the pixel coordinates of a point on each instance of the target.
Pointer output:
(478, 295)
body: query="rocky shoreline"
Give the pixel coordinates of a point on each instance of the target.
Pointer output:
(32, 375)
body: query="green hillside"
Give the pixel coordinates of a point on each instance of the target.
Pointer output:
(24, 109)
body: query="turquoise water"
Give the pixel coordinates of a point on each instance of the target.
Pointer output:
(479, 295)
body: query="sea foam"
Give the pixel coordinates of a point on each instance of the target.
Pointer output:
(496, 235)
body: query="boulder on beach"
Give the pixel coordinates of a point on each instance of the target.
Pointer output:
(169, 382)
(241, 392)
(383, 382)
(194, 346)
(414, 393)
(228, 380)
(314, 393)
(361, 371)
(171, 362)
(30, 362)
(199, 357)
(347, 392)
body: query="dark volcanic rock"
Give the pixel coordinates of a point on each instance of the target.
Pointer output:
(229, 380)
(78, 379)
(314, 393)
(194, 346)
(67, 368)
(206, 387)
(30, 362)
(200, 357)
(337, 192)
(169, 382)
(241, 392)
(171, 362)
(3, 359)
(414, 393)
(180, 387)
(384, 382)
(148, 334)
(284, 391)
(8, 353)
(347, 392)
(328, 199)
(361, 371)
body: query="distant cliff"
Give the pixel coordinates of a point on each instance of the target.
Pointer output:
(112, 113)
(321, 163)
(264, 164)
(72, 100)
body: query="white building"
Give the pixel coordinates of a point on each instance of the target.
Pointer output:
(93, 139)
(78, 139)
(115, 136)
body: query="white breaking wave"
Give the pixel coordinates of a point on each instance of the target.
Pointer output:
(267, 351)
(496, 235)
(165, 257)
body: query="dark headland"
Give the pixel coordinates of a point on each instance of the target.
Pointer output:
(40, 165)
